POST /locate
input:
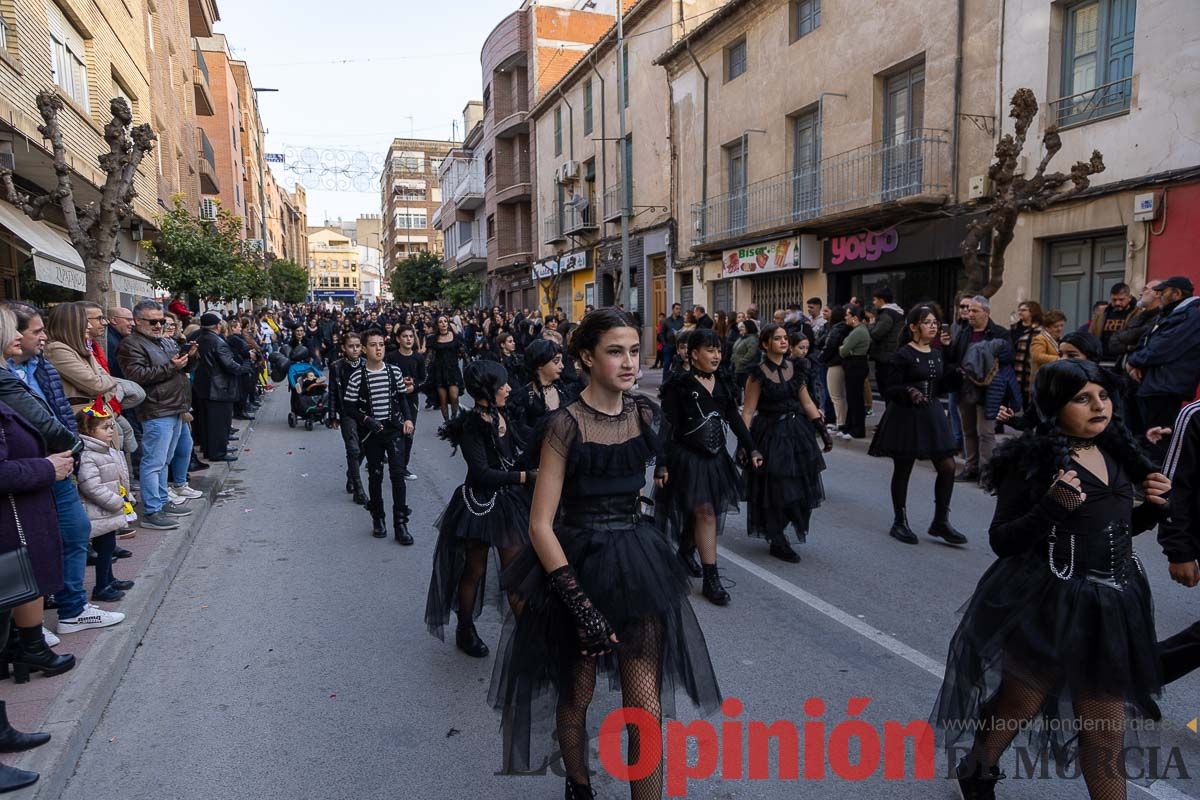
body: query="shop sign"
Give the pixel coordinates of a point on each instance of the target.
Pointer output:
(866, 246)
(765, 257)
(918, 242)
(572, 262)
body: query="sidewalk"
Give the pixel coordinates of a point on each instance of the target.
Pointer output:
(69, 706)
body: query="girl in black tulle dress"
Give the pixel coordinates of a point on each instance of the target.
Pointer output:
(784, 424)
(700, 484)
(544, 393)
(488, 511)
(914, 427)
(605, 598)
(444, 350)
(1060, 629)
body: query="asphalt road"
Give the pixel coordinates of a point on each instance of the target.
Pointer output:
(290, 659)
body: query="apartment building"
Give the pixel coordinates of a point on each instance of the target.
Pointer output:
(1118, 76)
(220, 150)
(461, 217)
(581, 162)
(333, 274)
(411, 195)
(89, 57)
(528, 52)
(255, 190)
(796, 173)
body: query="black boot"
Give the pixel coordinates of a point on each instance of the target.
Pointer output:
(578, 791)
(402, 535)
(12, 778)
(468, 640)
(13, 741)
(781, 549)
(349, 485)
(379, 527)
(34, 655)
(976, 782)
(712, 588)
(900, 530)
(196, 465)
(688, 556)
(942, 529)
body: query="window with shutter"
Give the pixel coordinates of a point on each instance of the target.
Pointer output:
(69, 53)
(1097, 60)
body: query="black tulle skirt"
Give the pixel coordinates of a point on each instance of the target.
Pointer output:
(505, 526)
(444, 373)
(920, 432)
(696, 481)
(788, 485)
(631, 575)
(1070, 638)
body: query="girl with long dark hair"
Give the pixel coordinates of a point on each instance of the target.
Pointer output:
(545, 393)
(445, 349)
(784, 423)
(487, 511)
(700, 483)
(605, 598)
(914, 427)
(1060, 628)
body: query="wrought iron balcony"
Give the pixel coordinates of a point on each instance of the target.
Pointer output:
(466, 178)
(612, 202)
(208, 164)
(471, 249)
(552, 226)
(1104, 101)
(914, 164)
(579, 220)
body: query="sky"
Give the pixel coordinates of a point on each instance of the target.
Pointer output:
(354, 74)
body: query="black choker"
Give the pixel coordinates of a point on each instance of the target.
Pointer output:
(701, 373)
(1077, 443)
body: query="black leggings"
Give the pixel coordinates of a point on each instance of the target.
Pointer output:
(943, 488)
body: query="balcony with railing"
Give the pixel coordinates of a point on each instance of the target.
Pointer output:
(472, 250)
(612, 202)
(578, 220)
(513, 183)
(909, 169)
(208, 164)
(201, 85)
(552, 226)
(1109, 100)
(467, 183)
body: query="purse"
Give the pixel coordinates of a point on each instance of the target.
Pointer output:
(17, 582)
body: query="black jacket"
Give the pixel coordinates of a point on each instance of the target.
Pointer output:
(339, 373)
(1179, 534)
(34, 410)
(686, 403)
(217, 377)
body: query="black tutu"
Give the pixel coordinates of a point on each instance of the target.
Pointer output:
(1071, 637)
(920, 432)
(443, 375)
(789, 482)
(631, 575)
(696, 481)
(505, 526)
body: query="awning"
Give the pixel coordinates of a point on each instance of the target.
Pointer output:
(128, 279)
(54, 258)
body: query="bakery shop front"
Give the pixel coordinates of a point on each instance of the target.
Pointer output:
(769, 274)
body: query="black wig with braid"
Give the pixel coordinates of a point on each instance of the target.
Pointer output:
(1042, 451)
(483, 380)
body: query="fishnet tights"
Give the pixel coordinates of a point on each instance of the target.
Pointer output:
(473, 573)
(640, 663)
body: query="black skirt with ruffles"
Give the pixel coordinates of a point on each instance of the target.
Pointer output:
(917, 432)
(790, 478)
(696, 481)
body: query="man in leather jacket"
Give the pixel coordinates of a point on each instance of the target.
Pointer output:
(217, 386)
(340, 417)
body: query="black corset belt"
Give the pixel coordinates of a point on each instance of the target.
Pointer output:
(1104, 556)
(604, 512)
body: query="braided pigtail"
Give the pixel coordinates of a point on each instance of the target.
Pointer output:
(1060, 449)
(1121, 443)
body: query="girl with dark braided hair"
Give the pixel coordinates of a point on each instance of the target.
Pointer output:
(1060, 629)
(487, 511)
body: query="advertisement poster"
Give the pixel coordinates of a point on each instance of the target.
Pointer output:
(766, 257)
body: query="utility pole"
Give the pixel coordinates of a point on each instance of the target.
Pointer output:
(626, 172)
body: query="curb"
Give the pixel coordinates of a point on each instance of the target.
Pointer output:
(75, 713)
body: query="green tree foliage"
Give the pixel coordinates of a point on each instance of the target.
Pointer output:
(289, 281)
(418, 278)
(462, 291)
(205, 258)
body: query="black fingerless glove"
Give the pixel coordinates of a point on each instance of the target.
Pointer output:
(917, 397)
(373, 425)
(1065, 495)
(826, 438)
(591, 627)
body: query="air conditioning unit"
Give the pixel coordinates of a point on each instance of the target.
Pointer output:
(980, 186)
(570, 171)
(208, 208)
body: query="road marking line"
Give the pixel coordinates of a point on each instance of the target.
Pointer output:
(1159, 789)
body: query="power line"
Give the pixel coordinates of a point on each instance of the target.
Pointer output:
(369, 60)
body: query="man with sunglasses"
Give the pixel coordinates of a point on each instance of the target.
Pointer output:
(146, 362)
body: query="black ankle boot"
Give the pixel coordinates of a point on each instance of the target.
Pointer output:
(379, 527)
(402, 535)
(349, 485)
(900, 530)
(688, 556)
(781, 549)
(942, 529)
(12, 740)
(976, 782)
(578, 791)
(469, 642)
(357, 493)
(712, 588)
(12, 778)
(36, 656)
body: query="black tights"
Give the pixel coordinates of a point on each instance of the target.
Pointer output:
(640, 664)
(472, 577)
(943, 488)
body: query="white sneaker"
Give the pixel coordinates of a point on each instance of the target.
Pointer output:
(174, 498)
(844, 435)
(51, 639)
(186, 492)
(92, 617)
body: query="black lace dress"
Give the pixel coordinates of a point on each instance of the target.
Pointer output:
(700, 473)
(529, 410)
(1066, 611)
(914, 431)
(788, 486)
(627, 569)
(442, 360)
(490, 507)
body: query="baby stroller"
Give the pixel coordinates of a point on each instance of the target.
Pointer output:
(309, 391)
